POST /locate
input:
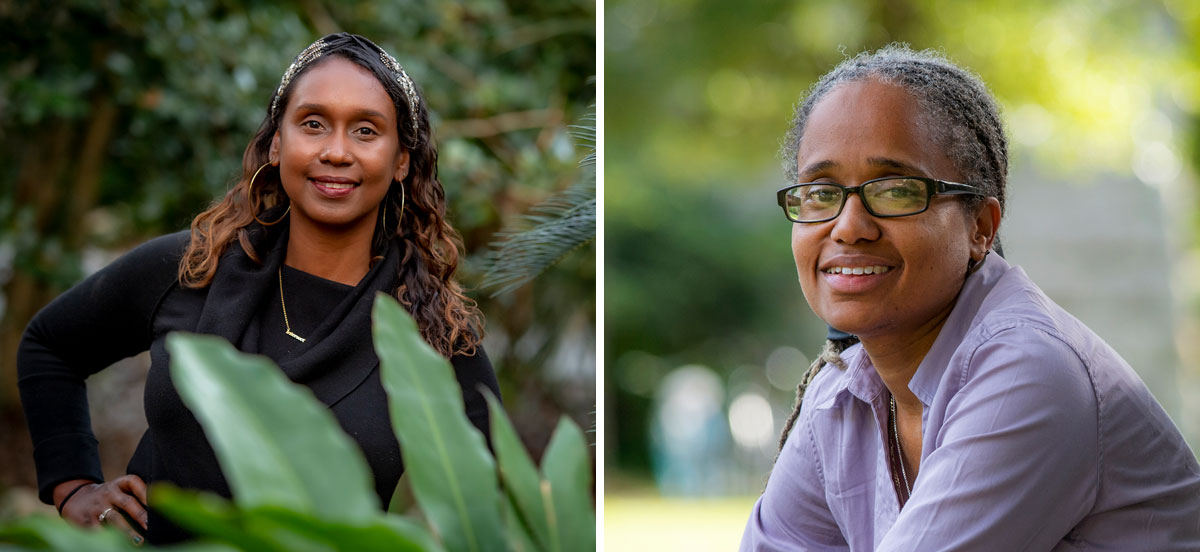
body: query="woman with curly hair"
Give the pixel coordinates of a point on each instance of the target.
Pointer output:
(338, 200)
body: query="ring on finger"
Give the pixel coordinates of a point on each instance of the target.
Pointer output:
(104, 515)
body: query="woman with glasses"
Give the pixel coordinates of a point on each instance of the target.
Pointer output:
(964, 409)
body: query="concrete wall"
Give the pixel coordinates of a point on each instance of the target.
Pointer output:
(1100, 249)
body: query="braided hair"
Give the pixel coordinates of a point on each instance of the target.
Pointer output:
(831, 353)
(956, 111)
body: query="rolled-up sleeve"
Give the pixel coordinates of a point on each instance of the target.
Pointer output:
(792, 513)
(1016, 464)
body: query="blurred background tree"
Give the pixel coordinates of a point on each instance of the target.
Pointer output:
(120, 121)
(707, 331)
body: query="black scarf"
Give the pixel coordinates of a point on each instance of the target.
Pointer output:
(241, 286)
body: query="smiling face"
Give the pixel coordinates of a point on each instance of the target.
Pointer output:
(874, 276)
(337, 146)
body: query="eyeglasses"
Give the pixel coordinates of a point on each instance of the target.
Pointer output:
(894, 196)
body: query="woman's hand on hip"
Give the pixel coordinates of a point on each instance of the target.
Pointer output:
(119, 503)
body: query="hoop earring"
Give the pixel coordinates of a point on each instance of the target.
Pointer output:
(973, 265)
(383, 219)
(401, 217)
(251, 187)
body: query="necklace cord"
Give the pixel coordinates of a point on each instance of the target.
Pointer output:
(287, 327)
(899, 450)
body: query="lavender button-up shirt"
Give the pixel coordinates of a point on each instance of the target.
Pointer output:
(1036, 435)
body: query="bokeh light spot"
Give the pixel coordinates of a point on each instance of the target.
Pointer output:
(751, 421)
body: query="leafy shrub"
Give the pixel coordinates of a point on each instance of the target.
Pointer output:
(300, 483)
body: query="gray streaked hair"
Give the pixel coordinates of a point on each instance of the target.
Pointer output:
(957, 111)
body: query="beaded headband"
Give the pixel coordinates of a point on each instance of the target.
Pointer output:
(406, 84)
(317, 49)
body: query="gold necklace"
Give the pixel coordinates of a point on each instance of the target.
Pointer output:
(287, 328)
(895, 434)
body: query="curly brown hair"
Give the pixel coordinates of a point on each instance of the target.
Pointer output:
(449, 320)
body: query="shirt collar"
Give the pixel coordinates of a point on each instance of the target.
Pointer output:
(924, 382)
(859, 380)
(863, 382)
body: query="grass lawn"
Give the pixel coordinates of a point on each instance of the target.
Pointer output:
(645, 521)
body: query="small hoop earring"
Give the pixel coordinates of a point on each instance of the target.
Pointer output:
(251, 187)
(973, 265)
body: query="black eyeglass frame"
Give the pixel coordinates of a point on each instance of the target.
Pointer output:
(933, 187)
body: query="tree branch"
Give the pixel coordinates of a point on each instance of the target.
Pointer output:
(499, 124)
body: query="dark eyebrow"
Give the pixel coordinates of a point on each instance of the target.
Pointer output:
(901, 166)
(358, 114)
(814, 168)
(880, 162)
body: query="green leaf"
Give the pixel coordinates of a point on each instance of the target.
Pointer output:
(209, 516)
(273, 528)
(197, 547)
(402, 498)
(385, 533)
(519, 539)
(417, 533)
(520, 478)
(47, 533)
(276, 443)
(40, 532)
(568, 468)
(453, 475)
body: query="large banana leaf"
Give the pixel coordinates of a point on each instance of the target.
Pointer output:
(518, 536)
(276, 443)
(453, 475)
(567, 467)
(272, 528)
(521, 480)
(212, 517)
(46, 533)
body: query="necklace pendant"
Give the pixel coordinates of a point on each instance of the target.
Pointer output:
(298, 338)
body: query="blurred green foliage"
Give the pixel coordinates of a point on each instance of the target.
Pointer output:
(700, 92)
(277, 443)
(121, 120)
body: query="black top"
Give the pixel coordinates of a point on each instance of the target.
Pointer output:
(130, 306)
(310, 299)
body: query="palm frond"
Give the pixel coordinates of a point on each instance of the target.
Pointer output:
(585, 135)
(558, 225)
